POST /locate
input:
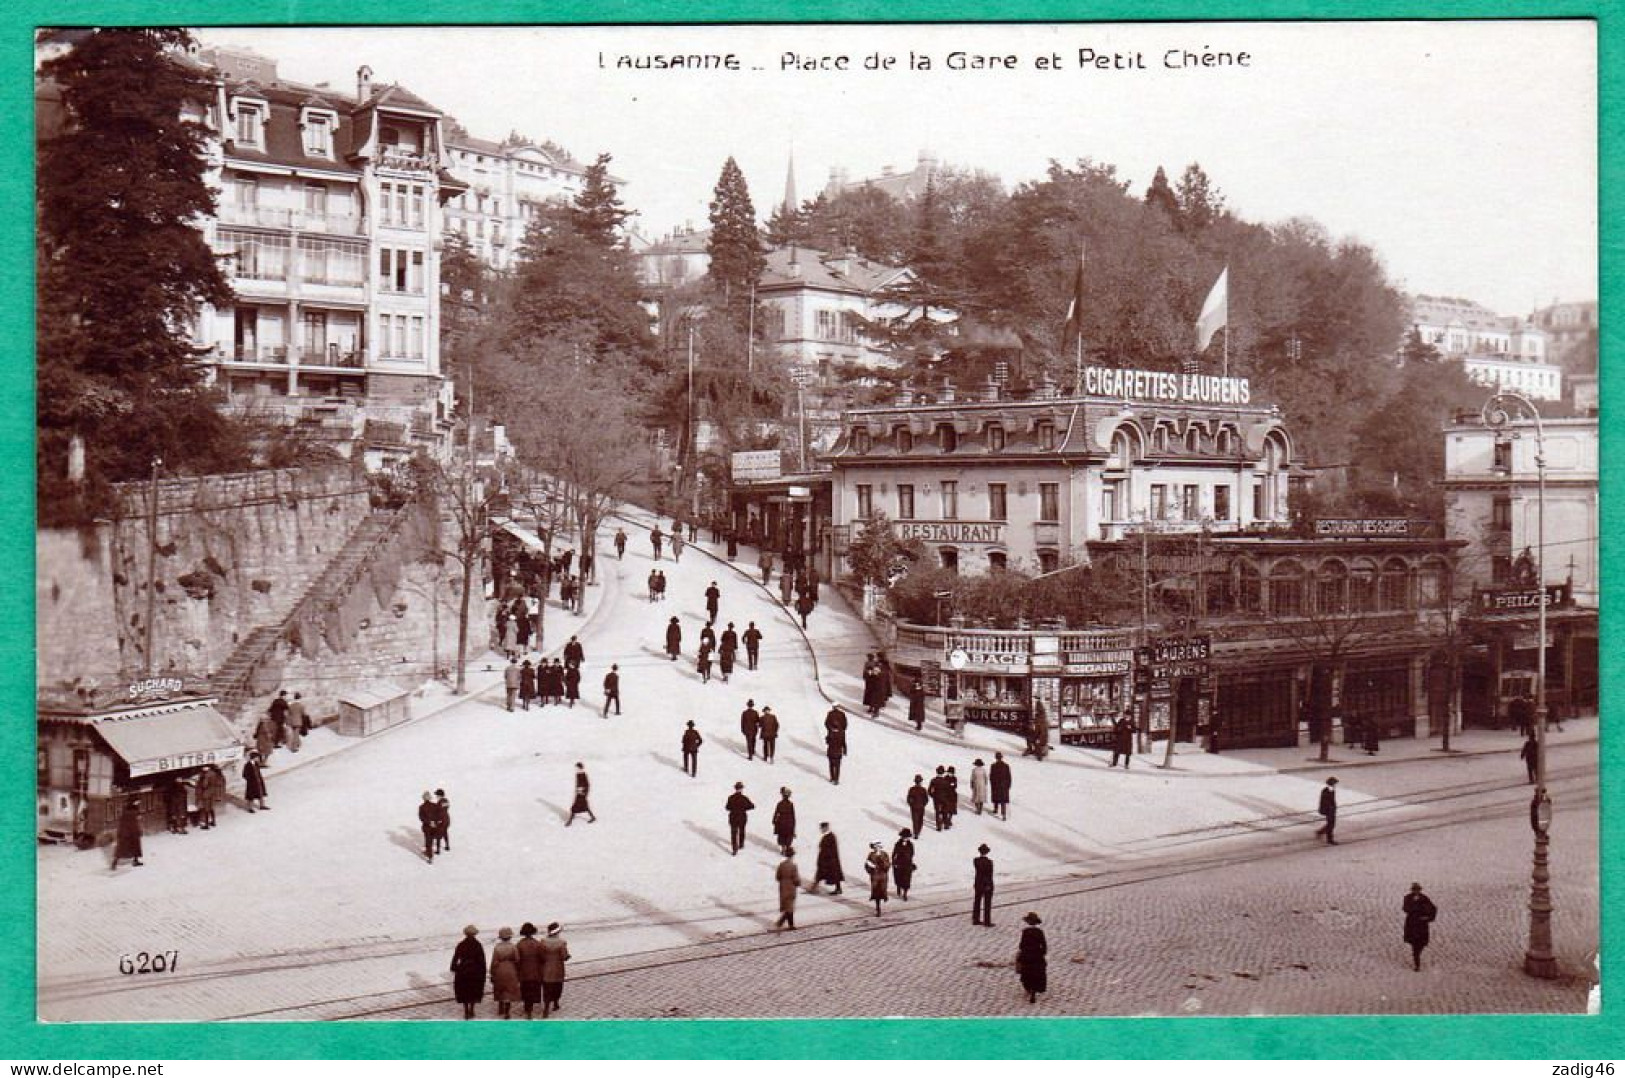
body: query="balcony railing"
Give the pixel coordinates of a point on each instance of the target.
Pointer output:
(403, 160)
(332, 224)
(271, 353)
(332, 356)
(263, 216)
(944, 639)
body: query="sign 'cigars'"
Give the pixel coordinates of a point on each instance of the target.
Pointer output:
(1165, 386)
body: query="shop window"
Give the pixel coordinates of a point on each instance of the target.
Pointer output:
(866, 506)
(905, 501)
(950, 499)
(1049, 502)
(1249, 589)
(997, 504)
(1286, 590)
(997, 561)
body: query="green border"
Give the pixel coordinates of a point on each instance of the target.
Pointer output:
(1546, 1037)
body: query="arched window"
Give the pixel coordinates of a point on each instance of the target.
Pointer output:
(1394, 591)
(1363, 587)
(1286, 589)
(1332, 587)
(1249, 588)
(1123, 449)
(1433, 584)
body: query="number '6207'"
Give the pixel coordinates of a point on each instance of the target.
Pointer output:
(155, 962)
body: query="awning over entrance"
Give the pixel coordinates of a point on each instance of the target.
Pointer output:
(531, 540)
(169, 737)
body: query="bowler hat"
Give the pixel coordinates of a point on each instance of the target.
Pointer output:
(1033, 919)
(983, 848)
(470, 930)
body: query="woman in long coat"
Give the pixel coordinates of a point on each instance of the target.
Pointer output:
(254, 782)
(916, 704)
(527, 684)
(978, 786)
(1031, 958)
(878, 866)
(128, 843)
(530, 968)
(572, 684)
(725, 662)
(902, 862)
(1419, 914)
(789, 877)
(505, 973)
(784, 821)
(468, 971)
(674, 639)
(829, 860)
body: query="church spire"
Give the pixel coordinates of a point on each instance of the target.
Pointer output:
(790, 202)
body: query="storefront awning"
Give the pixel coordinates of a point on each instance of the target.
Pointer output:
(169, 737)
(531, 540)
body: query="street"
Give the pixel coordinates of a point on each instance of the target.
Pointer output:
(1200, 890)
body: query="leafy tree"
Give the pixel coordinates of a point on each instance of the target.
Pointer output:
(597, 212)
(787, 227)
(1160, 195)
(1200, 203)
(878, 556)
(573, 292)
(863, 219)
(123, 272)
(735, 245)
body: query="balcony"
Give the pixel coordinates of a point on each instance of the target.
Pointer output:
(400, 159)
(330, 224)
(263, 355)
(259, 216)
(333, 357)
(1047, 533)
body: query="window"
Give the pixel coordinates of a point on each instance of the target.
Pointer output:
(1193, 440)
(1225, 443)
(1432, 585)
(1332, 588)
(319, 136)
(905, 440)
(245, 193)
(42, 766)
(1049, 502)
(947, 437)
(400, 270)
(414, 341)
(1286, 590)
(1249, 590)
(402, 204)
(1503, 456)
(1501, 515)
(1500, 569)
(866, 505)
(1159, 501)
(1363, 588)
(827, 325)
(1258, 502)
(1190, 502)
(950, 558)
(905, 501)
(316, 199)
(246, 333)
(259, 257)
(997, 561)
(81, 769)
(330, 262)
(315, 336)
(997, 507)
(1221, 503)
(860, 441)
(1110, 500)
(1046, 436)
(1048, 561)
(250, 125)
(950, 499)
(995, 437)
(1394, 590)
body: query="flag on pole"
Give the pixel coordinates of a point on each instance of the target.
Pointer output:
(1074, 310)
(1215, 311)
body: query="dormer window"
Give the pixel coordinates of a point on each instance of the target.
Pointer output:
(1046, 436)
(947, 437)
(860, 441)
(318, 129)
(905, 440)
(995, 438)
(250, 131)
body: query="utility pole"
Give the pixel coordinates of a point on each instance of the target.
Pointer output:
(152, 564)
(693, 435)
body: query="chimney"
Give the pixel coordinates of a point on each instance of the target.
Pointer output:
(794, 269)
(905, 394)
(947, 395)
(990, 391)
(363, 84)
(1046, 388)
(842, 265)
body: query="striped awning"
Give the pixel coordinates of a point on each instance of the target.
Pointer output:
(169, 737)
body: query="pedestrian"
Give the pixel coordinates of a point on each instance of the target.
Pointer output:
(612, 688)
(429, 824)
(938, 792)
(770, 733)
(1522, 713)
(750, 724)
(1032, 963)
(655, 539)
(691, 750)
(555, 953)
(579, 805)
(279, 717)
(878, 866)
(804, 606)
(546, 687)
(753, 645)
(1328, 809)
(264, 738)
(713, 601)
(733, 544)
(708, 637)
(978, 786)
(299, 716)
(1123, 731)
(1530, 754)
(468, 971)
(505, 973)
(835, 750)
(951, 795)
(902, 862)
(442, 832)
(829, 860)
(574, 653)
(1372, 742)
(589, 570)
(524, 679)
(660, 584)
(887, 679)
(209, 786)
(916, 704)
(175, 807)
(674, 639)
(789, 877)
(510, 681)
(982, 887)
(1419, 914)
(530, 968)
(725, 662)
(727, 650)
(254, 783)
(784, 821)
(765, 563)
(871, 685)
(676, 542)
(702, 663)
(572, 684)
(510, 633)
(127, 843)
(567, 592)
(654, 584)
(917, 797)
(785, 585)
(620, 544)
(739, 807)
(521, 620)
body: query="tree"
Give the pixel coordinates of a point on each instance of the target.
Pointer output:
(123, 273)
(597, 212)
(1160, 195)
(466, 500)
(571, 292)
(735, 244)
(1200, 203)
(878, 557)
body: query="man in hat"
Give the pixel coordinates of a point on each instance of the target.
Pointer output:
(770, 733)
(1328, 809)
(753, 645)
(1419, 914)
(784, 821)
(299, 715)
(1031, 958)
(902, 862)
(750, 724)
(917, 797)
(580, 805)
(429, 823)
(555, 953)
(612, 688)
(691, 750)
(982, 888)
(738, 806)
(829, 859)
(254, 783)
(789, 878)
(713, 600)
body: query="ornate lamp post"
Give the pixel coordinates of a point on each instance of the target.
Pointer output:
(1499, 413)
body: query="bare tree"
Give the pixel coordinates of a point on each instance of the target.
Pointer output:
(464, 500)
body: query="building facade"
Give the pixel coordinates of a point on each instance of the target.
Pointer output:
(994, 483)
(816, 305)
(329, 212)
(1497, 352)
(507, 184)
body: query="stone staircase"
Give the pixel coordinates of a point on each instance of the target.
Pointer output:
(233, 682)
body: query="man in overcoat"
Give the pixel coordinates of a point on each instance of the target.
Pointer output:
(789, 879)
(753, 645)
(691, 750)
(770, 733)
(998, 784)
(739, 807)
(982, 888)
(750, 724)
(1419, 914)
(1328, 809)
(917, 798)
(829, 859)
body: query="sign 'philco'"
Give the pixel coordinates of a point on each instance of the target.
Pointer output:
(1165, 386)
(1501, 600)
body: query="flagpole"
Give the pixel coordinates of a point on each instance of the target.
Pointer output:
(1226, 370)
(1077, 372)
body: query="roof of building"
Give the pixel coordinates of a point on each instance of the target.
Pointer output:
(692, 241)
(804, 267)
(1447, 310)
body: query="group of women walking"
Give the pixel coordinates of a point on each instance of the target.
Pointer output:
(528, 972)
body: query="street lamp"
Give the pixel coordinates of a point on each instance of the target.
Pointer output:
(1538, 961)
